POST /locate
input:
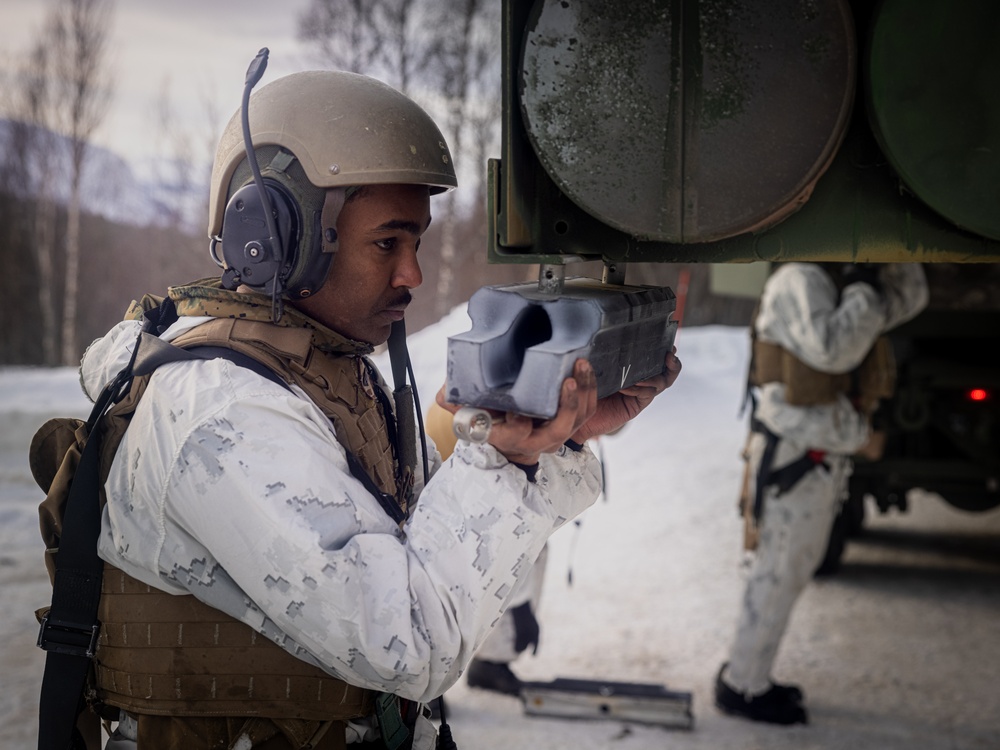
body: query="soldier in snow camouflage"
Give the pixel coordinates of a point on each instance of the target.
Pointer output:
(276, 567)
(818, 370)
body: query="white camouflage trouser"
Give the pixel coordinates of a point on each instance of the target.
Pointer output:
(499, 644)
(793, 534)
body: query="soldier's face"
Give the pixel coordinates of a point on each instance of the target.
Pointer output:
(375, 265)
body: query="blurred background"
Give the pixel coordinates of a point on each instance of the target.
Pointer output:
(109, 117)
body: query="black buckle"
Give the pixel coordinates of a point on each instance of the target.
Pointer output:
(68, 638)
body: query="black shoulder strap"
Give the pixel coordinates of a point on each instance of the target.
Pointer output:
(407, 402)
(69, 631)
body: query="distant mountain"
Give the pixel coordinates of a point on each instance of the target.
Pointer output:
(110, 185)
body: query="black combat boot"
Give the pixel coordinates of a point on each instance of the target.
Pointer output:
(781, 704)
(492, 675)
(794, 692)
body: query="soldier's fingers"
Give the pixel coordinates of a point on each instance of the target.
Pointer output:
(441, 401)
(658, 383)
(586, 380)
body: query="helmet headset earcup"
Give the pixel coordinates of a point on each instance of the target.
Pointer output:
(298, 209)
(251, 258)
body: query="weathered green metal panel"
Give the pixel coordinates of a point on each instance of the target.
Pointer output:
(686, 121)
(546, 206)
(934, 104)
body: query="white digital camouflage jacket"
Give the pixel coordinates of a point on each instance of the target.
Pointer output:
(233, 488)
(799, 311)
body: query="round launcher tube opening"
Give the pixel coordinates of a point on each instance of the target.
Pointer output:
(504, 355)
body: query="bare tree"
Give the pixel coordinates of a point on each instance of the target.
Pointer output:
(375, 37)
(485, 111)
(184, 158)
(342, 32)
(76, 34)
(175, 158)
(451, 48)
(463, 55)
(20, 299)
(403, 57)
(206, 140)
(31, 159)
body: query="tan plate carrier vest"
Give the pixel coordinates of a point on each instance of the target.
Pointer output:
(170, 655)
(873, 380)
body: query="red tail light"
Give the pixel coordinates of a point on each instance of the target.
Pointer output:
(978, 394)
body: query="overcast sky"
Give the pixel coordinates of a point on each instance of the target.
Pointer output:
(201, 47)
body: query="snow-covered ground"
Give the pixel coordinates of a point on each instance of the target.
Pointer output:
(901, 650)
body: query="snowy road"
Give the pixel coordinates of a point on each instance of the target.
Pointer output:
(900, 650)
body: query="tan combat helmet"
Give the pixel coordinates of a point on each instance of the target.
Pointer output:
(314, 131)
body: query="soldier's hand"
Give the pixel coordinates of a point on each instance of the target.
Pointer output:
(523, 439)
(615, 410)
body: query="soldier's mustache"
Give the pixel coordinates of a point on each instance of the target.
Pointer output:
(403, 300)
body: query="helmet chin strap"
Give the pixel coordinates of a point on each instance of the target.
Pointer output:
(406, 400)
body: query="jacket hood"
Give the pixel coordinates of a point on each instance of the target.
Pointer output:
(106, 356)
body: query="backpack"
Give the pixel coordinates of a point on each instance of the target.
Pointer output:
(65, 462)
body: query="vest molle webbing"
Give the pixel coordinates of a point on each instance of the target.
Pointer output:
(161, 654)
(341, 386)
(175, 656)
(874, 378)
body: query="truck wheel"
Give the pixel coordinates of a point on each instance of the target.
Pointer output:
(972, 502)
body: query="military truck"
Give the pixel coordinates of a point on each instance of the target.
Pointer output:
(741, 131)
(679, 131)
(943, 424)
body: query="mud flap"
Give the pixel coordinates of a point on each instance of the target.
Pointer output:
(643, 703)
